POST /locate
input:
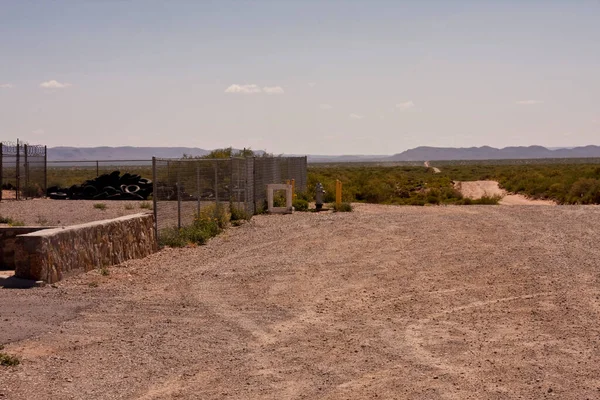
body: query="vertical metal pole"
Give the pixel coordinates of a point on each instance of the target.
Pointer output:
(26, 165)
(18, 173)
(231, 199)
(97, 169)
(45, 169)
(216, 183)
(177, 184)
(198, 188)
(239, 172)
(154, 198)
(254, 183)
(1, 169)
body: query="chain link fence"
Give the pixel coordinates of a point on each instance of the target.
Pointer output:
(22, 170)
(183, 187)
(75, 172)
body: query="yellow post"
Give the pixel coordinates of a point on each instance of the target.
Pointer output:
(293, 188)
(338, 192)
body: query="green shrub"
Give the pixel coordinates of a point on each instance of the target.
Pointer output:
(300, 205)
(5, 220)
(342, 207)
(32, 190)
(210, 222)
(146, 205)
(100, 206)
(7, 360)
(238, 213)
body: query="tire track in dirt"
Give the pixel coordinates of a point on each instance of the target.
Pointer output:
(414, 333)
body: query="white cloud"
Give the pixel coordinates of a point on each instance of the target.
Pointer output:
(529, 102)
(243, 89)
(253, 88)
(356, 116)
(407, 105)
(325, 106)
(6, 86)
(273, 90)
(54, 85)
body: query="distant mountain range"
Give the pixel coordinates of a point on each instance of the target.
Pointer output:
(417, 154)
(491, 153)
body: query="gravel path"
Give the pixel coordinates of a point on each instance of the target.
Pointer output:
(67, 212)
(472, 302)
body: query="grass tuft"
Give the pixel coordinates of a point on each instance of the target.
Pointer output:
(342, 207)
(7, 360)
(100, 206)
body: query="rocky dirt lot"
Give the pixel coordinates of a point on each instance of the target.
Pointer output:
(472, 302)
(49, 212)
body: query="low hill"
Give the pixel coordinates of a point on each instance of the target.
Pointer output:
(424, 153)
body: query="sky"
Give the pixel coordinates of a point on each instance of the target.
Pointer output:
(301, 77)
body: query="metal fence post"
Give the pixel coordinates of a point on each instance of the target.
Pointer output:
(1, 168)
(18, 172)
(97, 169)
(26, 166)
(216, 183)
(198, 188)
(45, 170)
(154, 200)
(178, 185)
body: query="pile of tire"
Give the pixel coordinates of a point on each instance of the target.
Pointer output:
(113, 186)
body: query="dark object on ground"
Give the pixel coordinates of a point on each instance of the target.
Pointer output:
(113, 186)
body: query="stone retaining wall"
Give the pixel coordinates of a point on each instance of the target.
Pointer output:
(8, 237)
(52, 254)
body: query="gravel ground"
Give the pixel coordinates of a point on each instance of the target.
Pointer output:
(472, 302)
(66, 212)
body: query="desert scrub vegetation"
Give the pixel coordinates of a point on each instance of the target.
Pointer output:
(6, 359)
(211, 221)
(401, 185)
(565, 183)
(300, 204)
(100, 206)
(342, 207)
(11, 222)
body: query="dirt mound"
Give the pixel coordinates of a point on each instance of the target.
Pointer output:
(479, 189)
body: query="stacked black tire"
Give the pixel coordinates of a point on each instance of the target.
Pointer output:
(113, 186)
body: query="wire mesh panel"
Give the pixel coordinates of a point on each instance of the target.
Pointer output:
(185, 187)
(68, 173)
(22, 170)
(277, 170)
(34, 165)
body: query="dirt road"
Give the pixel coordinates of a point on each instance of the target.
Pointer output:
(435, 170)
(478, 189)
(472, 302)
